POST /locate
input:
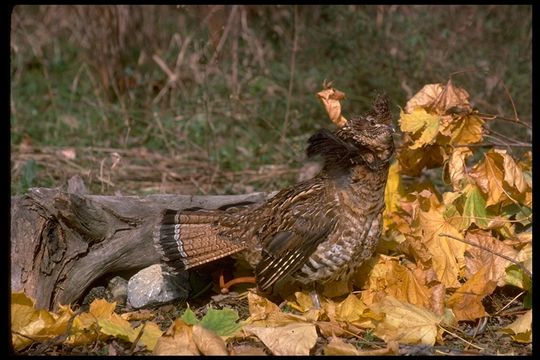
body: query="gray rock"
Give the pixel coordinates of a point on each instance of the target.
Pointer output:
(154, 286)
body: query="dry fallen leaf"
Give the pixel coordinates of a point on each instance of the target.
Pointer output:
(296, 338)
(247, 350)
(457, 167)
(336, 346)
(406, 323)
(478, 258)
(466, 302)
(331, 98)
(177, 340)
(35, 324)
(208, 342)
(447, 253)
(521, 328)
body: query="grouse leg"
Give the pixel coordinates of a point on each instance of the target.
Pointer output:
(224, 286)
(315, 299)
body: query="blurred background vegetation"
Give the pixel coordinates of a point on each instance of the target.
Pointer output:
(221, 99)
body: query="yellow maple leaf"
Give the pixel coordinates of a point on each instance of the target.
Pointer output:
(406, 323)
(150, 335)
(468, 130)
(393, 192)
(447, 253)
(31, 323)
(423, 125)
(389, 277)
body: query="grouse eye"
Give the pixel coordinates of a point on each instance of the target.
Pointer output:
(371, 121)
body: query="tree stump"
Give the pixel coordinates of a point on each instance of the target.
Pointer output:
(61, 242)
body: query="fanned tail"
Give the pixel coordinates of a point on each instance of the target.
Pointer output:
(186, 239)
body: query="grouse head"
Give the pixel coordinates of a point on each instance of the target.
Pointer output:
(365, 139)
(373, 130)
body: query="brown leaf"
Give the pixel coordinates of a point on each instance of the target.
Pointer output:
(467, 129)
(424, 98)
(447, 253)
(389, 277)
(478, 258)
(336, 346)
(466, 302)
(247, 350)
(208, 342)
(330, 98)
(260, 307)
(412, 161)
(457, 167)
(499, 177)
(144, 314)
(177, 340)
(451, 97)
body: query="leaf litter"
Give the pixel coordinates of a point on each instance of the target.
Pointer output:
(449, 259)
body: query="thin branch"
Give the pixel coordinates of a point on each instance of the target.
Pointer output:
(134, 345)
(492, 252)
(462, 339)
(510, 303)
(493, 145)
(511, 100)
(504, 137)
(291, 76)
(223, 36)
(503, 118)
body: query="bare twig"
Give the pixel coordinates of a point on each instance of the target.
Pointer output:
(511, 100)
(503, 118)
(513, 261)
(223, 36)
(462, 339)
(134, 345)
(291, 76)
(493, 145)
(510, 303)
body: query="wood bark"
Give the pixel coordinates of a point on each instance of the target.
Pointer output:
(61, 242)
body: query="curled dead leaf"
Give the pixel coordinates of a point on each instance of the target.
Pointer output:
(331, 99)
(208, 342)
(177, 340)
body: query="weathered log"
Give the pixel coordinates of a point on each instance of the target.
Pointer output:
(61, 241)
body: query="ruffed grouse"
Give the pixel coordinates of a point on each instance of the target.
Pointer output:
(315, 231)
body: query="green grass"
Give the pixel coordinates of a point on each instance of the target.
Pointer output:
(232, 114)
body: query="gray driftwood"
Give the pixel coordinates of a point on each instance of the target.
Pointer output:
(63, 241)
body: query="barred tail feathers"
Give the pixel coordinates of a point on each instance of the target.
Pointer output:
(187, 239)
